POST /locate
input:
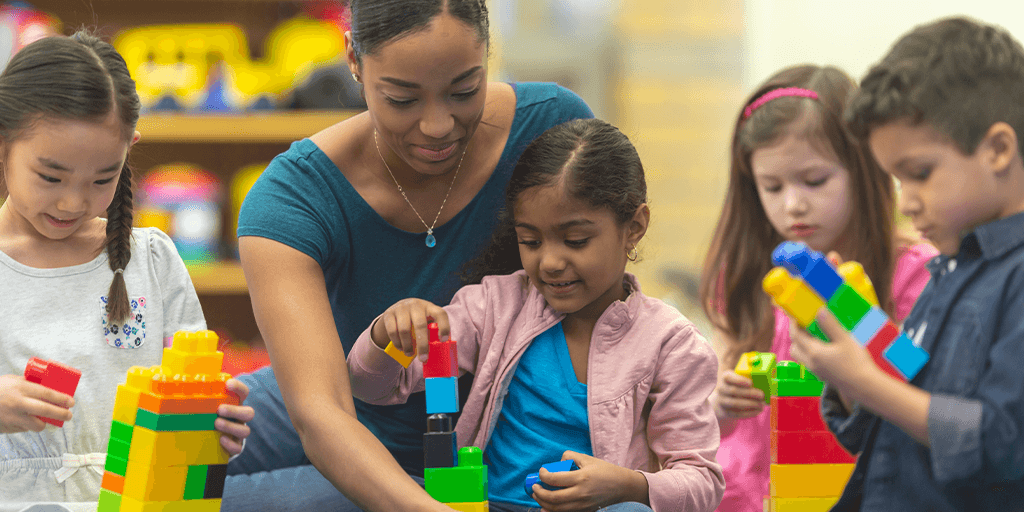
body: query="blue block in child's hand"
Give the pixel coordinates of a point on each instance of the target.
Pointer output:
(905, 356)
(552, 467)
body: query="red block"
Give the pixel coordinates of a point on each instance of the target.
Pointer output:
(442, 356)
(808, 448)
(876, 347)
(54, 375)
(797, 413)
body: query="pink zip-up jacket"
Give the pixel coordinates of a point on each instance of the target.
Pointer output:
(649, 375)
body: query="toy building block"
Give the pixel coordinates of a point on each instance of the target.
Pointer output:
(801, 504)
(854, 275)
(811, 266)
(808, 448)
(758, 366)
(442, 394)
(868, 326)
(440, 448)
(797, 414)
(398, 355)
(479, 506)
(809, 480)
(465, 483)
(905, 356)
(848, 306)
(442, 356)
(56, 376)
(792, 295)
(794, 379)
(553, 467)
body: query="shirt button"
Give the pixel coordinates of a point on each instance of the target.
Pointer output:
(952, 265)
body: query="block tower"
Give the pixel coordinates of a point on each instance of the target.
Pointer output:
(804, 280)
(455, 478)
(164, 454)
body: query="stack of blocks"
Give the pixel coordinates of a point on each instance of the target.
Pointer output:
(808, 466)
(804, 280)
(457, 479)
(164, 453)
(54, 375)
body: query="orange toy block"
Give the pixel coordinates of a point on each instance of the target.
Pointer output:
(112, 482)
(398, 355)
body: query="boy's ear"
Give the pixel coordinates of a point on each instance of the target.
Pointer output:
(1000, 144)
(638, 224)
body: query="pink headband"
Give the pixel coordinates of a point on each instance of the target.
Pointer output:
(776, 94)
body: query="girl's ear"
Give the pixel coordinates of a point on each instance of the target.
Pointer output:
(350, 55)
(638, 224)
(135, 138)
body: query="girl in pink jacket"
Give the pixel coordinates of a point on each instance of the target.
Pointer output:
(571, 360)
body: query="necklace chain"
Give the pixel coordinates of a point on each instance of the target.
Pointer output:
(430, 228)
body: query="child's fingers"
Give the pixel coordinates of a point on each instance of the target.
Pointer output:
(232, 446)
(560, 478)
(239, 413)
(740, 406)
(45, 394)
(232, 428)
(737, 380)
(239, 389)
(830, 326)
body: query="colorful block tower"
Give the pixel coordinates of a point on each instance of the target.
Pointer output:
(164, 453)
(804, 280)
(457, 479)
(809, 468)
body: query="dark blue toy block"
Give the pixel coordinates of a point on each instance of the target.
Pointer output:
(905, 356)
(809, 264)
(440, 450)
(552, 467)
(442, 394)
(869, 325)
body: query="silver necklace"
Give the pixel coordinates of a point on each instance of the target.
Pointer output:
(430, 241)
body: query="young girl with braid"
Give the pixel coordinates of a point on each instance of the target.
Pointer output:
(77, 288)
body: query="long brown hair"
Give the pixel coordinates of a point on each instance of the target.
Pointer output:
(740, 253)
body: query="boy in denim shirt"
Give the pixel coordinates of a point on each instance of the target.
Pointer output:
(943, 112)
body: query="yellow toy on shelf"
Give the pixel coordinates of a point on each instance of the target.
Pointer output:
(164, 453)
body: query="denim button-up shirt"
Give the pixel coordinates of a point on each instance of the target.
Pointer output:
(970, 319)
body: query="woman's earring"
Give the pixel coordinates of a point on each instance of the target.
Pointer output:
(631, 254)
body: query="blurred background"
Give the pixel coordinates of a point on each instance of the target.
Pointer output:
(228, 84)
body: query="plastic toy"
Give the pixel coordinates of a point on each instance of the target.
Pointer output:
(757, 366)
(440, 448)
(184, 200)
(465, 483)
(54, 375)
(553, 467)
(164, 453)
(804, 280)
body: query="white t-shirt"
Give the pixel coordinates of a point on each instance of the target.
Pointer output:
(59, 314)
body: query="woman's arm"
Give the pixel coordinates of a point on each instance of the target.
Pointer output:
(289, 298)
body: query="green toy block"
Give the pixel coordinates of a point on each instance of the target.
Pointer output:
(466, 482)
(174, 422)
(109, 501)
(195, 483)
(761, 373)
(816, 331)
(118, 448)
(793, 379)
(121, 430)
(116, 465)
(848, 306)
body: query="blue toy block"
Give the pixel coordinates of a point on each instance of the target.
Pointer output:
(869, 325)
(785, 252)
(442, 394)
(552, 467)
(809, 264)
(905, 356)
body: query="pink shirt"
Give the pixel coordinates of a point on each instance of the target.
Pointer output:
(649, 376)
(744, 453)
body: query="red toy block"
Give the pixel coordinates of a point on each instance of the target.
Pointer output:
(876, 347)
(797, 413)
(54, 375)
(808, 448)
(442, 358)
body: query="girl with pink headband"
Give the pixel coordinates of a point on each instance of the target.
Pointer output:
(797, 175)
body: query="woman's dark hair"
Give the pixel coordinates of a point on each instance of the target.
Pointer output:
(79, 78)
(598, 165)
(376, 22)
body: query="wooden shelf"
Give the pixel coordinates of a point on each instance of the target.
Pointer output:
(286, 126)
(219, 278)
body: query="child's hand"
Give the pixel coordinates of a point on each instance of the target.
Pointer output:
(843, 362)
(233, 418)
(596, 484)
(21, 401)
(735, 397)
(405, 325)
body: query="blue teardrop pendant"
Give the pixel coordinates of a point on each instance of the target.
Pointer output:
(431, 241)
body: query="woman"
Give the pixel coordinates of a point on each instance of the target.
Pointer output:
(393, 200)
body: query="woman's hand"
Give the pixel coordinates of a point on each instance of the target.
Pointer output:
(22, 401)
(735, 397)
(405, 325)
(233, 418)
(596, 484)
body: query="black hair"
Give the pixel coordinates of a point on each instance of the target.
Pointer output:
(598, 165)
(376, 22)
(957, 75)
(80, 78)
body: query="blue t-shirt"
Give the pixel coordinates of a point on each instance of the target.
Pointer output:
(544, 414)
(304, 201)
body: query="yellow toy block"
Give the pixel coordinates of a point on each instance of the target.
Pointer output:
(808, 480)
(195, 448)
(180, 362)
(140, 377)
(853, 273)
(146, 482)
(398, 355)
(792, 295)
(477, 506)
(199, 342)
(134, 505)
(126, 404)
(802, 504)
